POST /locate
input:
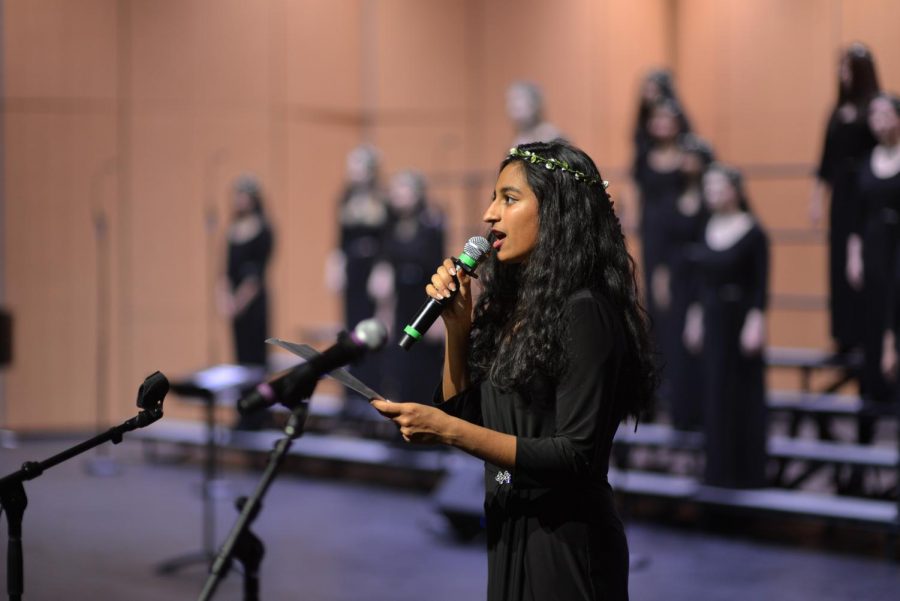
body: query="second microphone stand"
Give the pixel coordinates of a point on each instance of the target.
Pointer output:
(241, 543)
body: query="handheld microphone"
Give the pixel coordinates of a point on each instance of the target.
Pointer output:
(475, 250)
(298, 383)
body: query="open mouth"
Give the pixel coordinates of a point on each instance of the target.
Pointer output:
(497, 238)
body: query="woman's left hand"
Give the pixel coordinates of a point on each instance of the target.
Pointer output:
(753, 334)
(418, 423)
(660, 282)
(889, 356)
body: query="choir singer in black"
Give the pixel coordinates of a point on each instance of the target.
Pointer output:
(538, 376)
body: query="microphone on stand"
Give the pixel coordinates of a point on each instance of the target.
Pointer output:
(299, 383)
(475, 251)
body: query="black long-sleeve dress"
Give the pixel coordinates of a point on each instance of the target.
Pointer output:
(361, 234)
(731, 282)
(846, 144)
(552, 527)
(362, 227)
(250, 328)
(413, 259)
(683, 368)
(879, 225)
(660, 191)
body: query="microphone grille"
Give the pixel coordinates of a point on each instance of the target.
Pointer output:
(371, 333)
(476, 247)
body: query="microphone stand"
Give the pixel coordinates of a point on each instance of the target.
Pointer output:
(102, 464)
(249, 550)
(12, 492)
(241, 543)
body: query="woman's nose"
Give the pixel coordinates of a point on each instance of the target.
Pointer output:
(491, 215)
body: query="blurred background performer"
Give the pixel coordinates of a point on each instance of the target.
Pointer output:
(525, 108)
(684, 229)
(363, 219)
(656, 86)
(873, 255)
(412, 246)
(242, 292)
(536, 382)
(660, 184)
(727, 325)
(243, 295)
(847, 142)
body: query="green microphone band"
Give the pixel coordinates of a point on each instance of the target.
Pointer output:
(468, 261)
(411, 331)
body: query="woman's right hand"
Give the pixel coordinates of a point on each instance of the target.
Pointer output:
(661, 287)
(889, 356)
(855, 270)
(693, 329)
(457, 314)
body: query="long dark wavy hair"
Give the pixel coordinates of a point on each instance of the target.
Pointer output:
(516, 330)
(863, 77)
(663, 80)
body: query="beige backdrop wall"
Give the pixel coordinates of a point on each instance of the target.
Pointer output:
(143, 111)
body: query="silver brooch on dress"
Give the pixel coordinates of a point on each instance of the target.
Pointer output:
(503, 477)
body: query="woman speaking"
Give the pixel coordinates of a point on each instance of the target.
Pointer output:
(537, 378)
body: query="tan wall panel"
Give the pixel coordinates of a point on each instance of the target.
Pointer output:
(700, 42)
(165, 249)
(324, 52)
(798, 328)
(60, 49)
(755, 81)
(429, 147)
(782, 202)
(162, 63)
(232, 43)
(307, 227)
(167, 220)
(462, 208)
(588, 58)
(419, 58)
(630, 38)
(798, 269)
(778, 77)
(50, 257)
(556, 56)
(874, 22)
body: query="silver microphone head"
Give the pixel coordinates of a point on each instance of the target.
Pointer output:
(477, 247)
(370, 333)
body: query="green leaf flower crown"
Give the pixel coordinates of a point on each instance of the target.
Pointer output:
(552, 164)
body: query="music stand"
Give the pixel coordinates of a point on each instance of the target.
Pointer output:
(217, 385)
